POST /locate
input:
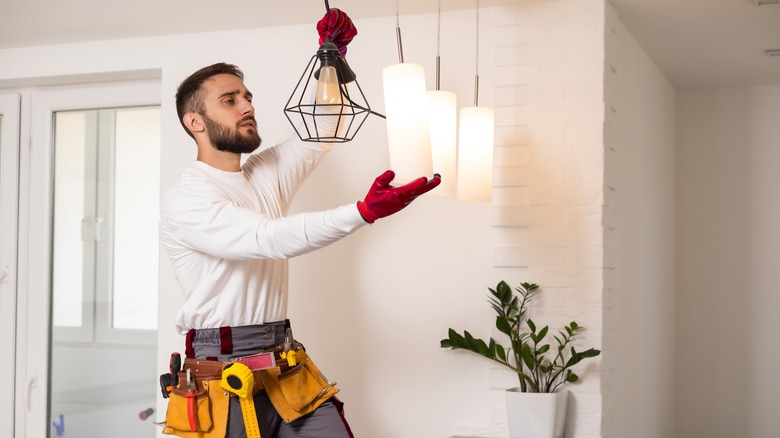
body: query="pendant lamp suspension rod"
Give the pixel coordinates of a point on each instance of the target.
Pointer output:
(398, 35)
(476, 63)
(438, 49)
(327, 11)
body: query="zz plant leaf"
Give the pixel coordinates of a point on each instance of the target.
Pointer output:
(527, 353)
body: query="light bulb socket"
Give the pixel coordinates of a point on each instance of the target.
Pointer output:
(328, 54)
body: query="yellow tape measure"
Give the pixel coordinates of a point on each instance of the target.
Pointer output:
(238, 379)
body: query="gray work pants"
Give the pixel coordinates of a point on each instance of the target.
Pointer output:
(325, 422)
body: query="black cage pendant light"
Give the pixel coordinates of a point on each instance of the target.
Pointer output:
(328, 95)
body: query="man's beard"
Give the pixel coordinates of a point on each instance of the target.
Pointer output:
(223, 139)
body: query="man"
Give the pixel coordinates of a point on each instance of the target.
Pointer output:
(226, 230)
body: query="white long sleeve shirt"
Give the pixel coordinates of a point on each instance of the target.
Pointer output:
(229, 238)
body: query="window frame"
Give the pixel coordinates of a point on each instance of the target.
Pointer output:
(10, 129)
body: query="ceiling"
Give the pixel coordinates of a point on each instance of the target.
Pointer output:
(707, 43)
(696, 43)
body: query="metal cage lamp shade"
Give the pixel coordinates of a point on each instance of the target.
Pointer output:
(327, 90)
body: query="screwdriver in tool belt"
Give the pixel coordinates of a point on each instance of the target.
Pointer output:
(174, 368)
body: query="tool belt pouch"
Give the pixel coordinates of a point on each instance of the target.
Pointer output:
(299, 390)
(202, 413)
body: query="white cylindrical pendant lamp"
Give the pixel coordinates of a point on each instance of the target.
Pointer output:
(408, 136)
(443, 115)
(475, 154)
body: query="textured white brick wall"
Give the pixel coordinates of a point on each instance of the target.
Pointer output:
(549, 187)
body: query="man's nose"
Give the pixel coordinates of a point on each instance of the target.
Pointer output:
(247, 108)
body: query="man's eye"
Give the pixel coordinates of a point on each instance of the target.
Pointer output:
(229, 101)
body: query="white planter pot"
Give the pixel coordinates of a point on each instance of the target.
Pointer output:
(535, 415)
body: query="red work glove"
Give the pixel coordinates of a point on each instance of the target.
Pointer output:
(383, 199)
(338, 28)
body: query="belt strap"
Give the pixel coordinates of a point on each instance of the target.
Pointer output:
(189, 350)
(225, 340)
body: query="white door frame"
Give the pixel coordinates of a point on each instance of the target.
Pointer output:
(34, 309)
(9, 214)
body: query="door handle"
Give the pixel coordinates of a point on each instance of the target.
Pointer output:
(32, 382)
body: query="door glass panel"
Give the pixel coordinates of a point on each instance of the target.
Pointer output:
(105, 271)
(106, 210)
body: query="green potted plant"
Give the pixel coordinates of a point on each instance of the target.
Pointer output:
(542, 370)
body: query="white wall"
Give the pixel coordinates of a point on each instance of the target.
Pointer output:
(373, 307)
(728, 245)
(639, 298)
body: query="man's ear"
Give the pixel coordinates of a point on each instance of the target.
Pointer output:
(194, 122)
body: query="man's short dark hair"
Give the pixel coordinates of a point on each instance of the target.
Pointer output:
(189, 96)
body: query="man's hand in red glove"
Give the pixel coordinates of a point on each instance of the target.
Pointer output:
(337, 27)
(382, 199)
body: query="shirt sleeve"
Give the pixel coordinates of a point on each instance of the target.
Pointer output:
(289, 163)
(202, 220)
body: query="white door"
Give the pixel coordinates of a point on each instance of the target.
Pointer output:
(9, 200)
(68, 235)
